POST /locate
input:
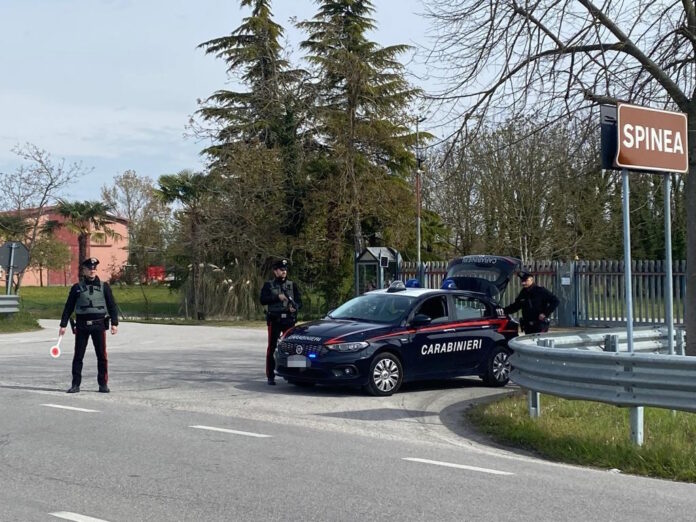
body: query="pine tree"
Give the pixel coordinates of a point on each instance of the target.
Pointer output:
(269, 115)
(252, 52)
(363, 97)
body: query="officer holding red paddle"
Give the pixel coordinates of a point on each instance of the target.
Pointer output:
(94, 305)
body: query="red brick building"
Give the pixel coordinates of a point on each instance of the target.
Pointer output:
(112, 254)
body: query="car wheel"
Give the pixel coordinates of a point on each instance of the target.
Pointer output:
(498, 369)
(301, 384)
(386, 375)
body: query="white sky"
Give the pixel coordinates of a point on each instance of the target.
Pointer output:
(112, 83)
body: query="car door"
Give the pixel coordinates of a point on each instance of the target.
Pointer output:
(428, 350)
(472, 321)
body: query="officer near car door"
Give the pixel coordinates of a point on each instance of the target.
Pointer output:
(94, 306)
(537, 304)
(283, 299)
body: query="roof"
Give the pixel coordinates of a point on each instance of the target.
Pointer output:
(51, 209)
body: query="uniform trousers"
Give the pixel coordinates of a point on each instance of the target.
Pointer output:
(275, 329)
(82, 335)
(536, 327)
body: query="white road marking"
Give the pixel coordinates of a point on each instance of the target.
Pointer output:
(75, 517)
(70, 408)
(234, 432)
(459, 466)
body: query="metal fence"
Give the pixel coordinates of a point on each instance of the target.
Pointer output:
(601, 292)
(591, 292)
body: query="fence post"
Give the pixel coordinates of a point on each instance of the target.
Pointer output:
(566, 313)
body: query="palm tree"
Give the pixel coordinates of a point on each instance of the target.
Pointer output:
(188, 189)
(13, 227)
(89, 220)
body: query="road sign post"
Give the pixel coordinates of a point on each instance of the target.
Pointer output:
(14, 258)
(649, 140)
(10, 269)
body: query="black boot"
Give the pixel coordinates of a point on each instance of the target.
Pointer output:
(103, 388)
(74, 389)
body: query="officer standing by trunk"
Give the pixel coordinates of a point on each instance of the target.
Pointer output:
(537, 304)
(93, 304)
(283, 299)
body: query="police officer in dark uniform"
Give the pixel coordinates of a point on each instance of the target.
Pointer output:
(283, 299)
(537, 304)
(93, 304)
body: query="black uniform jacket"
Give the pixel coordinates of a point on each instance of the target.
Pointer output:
(269, 298)
(72, 301)
(533, 301)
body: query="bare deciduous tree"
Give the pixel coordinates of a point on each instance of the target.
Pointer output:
(562, 58)
(33, 187)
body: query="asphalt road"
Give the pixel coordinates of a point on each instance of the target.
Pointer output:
(192, 432)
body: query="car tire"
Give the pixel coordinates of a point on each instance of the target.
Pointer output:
(386, 375)
(498, 367)
(301, 384)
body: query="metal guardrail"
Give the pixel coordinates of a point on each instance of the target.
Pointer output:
(597, 367)
(9, 304)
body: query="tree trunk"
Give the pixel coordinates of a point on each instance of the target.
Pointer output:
(82, 249)
(195, 273)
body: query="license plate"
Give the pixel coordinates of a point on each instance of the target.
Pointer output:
(297, 361)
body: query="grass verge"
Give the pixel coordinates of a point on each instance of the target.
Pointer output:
(22, 321)
(242, 323)
(145, 304)
(153, 301)
(594, 434)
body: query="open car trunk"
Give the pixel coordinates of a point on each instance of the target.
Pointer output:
(488, 275)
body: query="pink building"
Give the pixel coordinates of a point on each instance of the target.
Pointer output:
(112, 254)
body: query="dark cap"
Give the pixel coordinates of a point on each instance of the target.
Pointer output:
(90, 262)
(523, 275)
(280, 263)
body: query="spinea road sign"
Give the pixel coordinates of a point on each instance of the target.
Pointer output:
(651, 139)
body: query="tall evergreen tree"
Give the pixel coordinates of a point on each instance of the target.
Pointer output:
(268, 116)
(363, 96)
(252, 52)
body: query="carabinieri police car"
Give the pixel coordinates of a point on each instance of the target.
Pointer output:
(384, 338)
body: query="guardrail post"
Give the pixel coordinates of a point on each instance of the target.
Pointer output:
(637, 425)
(636, 413)
(680, 342)
(533, 397)
(611, 343)
(533, 401)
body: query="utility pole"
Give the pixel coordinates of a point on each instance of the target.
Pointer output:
(418, 200)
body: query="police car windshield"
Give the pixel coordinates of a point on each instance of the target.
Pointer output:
(375, 308)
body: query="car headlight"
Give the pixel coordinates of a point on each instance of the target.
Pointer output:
(348, 347)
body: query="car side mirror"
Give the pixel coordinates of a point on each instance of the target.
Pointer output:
(421, 319)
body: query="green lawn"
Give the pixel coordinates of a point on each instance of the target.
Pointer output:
(594, 434)
(133, 301)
